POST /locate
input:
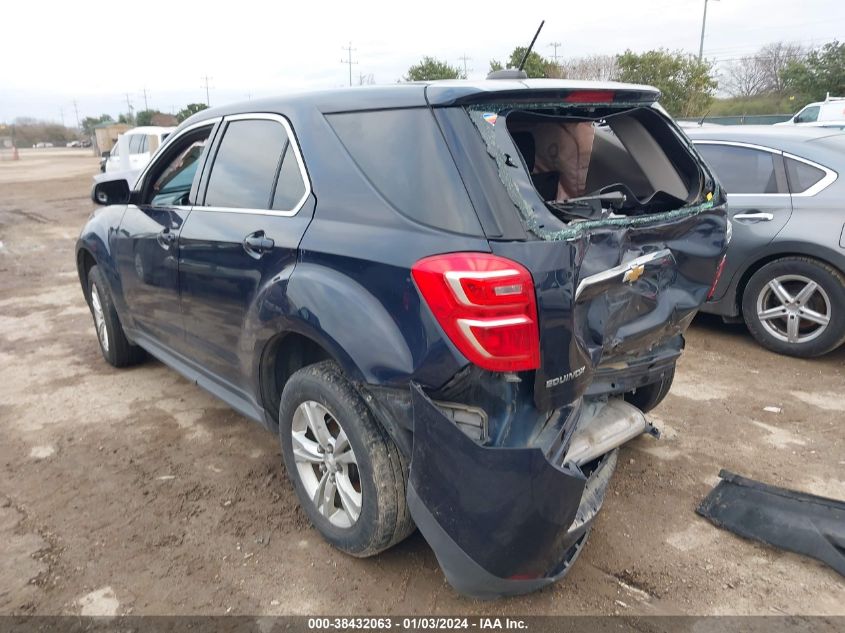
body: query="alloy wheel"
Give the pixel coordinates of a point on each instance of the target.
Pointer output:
(326, 463)
(793, 308)
(99, 318)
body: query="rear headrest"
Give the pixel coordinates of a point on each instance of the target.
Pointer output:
(524, 142)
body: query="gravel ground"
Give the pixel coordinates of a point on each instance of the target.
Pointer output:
(135, 491)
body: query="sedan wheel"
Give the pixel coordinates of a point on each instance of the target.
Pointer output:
(793, 308)
(796, 306)
(326, 463)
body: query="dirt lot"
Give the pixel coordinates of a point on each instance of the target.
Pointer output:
(136, 492)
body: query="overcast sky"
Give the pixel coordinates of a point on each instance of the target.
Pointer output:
(97, 52)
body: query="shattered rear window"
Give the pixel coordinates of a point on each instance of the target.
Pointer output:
(571, 174)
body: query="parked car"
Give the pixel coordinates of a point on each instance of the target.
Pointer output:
(409, 286)
(832, 109)
(785, 269)
(142, 144)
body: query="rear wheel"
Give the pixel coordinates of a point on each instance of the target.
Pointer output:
(114, 345)
(647, 397)
(348, 474)
(796, 306)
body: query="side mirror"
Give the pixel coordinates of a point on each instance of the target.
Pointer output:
(111, 192)
(105, 154)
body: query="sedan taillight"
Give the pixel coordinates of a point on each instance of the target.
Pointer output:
(486, 306)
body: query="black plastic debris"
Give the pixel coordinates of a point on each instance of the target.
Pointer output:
(794, 521)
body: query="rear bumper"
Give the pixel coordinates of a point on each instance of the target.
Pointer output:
(501, 520)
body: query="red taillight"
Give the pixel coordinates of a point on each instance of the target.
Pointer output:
(590, 96)
(486, 305)
(716, 277)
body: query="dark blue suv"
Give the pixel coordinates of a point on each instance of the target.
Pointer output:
(453, 301)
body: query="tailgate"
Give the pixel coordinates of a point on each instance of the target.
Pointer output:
(623, 224)
(615, 293)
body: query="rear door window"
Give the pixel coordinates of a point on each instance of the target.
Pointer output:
(247, 161)
(742, 169)
(801, 175)
(403, 155)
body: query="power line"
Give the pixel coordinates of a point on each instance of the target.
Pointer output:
(349, 50)
(206, 79)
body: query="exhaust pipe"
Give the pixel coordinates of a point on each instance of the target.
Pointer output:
(609, 425)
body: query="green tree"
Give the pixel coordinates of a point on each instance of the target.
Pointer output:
(89, 122)
(685, 83)
(535, 66)
(145, 117)
(432, 68)
(822, 71)
(189, 110)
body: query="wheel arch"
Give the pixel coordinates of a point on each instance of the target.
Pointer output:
(84, 263)
(286, 353)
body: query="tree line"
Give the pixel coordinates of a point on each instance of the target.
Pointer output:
(780, 75)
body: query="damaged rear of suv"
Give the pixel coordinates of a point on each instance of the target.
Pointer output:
(573, 322)
(456, 303)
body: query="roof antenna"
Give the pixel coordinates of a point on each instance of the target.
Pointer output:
(517, 73)
(531, 45)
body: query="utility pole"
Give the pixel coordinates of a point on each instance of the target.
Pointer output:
(555, 45)
(205, 85)
(129, 105)
(62, 114)
(465, 59)
(349, 50)
(703, 26)
(76, 109)
(144, 92)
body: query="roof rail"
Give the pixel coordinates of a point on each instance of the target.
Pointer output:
(827, 98)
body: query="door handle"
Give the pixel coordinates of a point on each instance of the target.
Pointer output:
(165, 239)
(256, 244)
(762, 217)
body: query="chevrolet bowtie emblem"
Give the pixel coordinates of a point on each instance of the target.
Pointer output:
(633, 273)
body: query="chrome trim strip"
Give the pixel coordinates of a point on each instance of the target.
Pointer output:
(278, 118)
(170, 139)
(616, 271)
(754, 216)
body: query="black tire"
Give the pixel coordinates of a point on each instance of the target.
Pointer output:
(382, 471)
(832, 285)
(647, 397)
(118, 351)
